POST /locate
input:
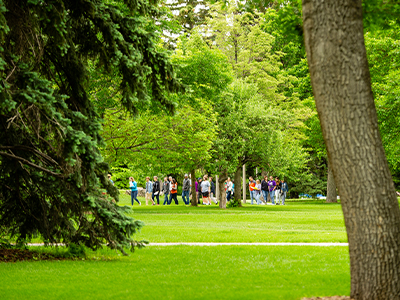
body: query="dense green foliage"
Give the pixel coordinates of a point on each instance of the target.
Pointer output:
(52, 173)
(265, 49)
(162, 143)
(383, 48)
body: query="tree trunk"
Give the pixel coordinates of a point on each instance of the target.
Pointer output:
(238, 186)
(331, 196)
(333, 33)
(222, 194)
(263, 173)
(193, 201)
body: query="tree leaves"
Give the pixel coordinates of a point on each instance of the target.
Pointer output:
(52, 178)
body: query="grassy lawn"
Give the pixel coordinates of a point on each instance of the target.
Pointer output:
(185, 272)
(294, 222)
(195, 272)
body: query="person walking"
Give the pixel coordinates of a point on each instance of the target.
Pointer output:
(257, 192)
(186, 189)
(170, 188)
(284, 190)
(233, 188)
(271, 188)
(228, 189)
(149, 191)
(252, 184)
(165, 189)
(198, 190)
(156, 190)
(264, 189)
(212, 191)
(174, 192)
(190, 190)
(277, 191)
(205, 188)
(134, 190)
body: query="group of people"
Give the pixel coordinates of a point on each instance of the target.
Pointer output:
(275, 189)
(205, 190)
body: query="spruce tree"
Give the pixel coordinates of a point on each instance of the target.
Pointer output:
(189, 13)
(52, 176)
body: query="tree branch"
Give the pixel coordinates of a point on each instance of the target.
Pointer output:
(30, 164)
(45, 156)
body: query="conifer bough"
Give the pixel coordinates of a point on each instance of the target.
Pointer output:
(51, 172)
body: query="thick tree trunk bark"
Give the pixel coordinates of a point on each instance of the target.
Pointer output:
(331, 196)
(238, 186)
(193, 201)
(222, 194)
(333, 32)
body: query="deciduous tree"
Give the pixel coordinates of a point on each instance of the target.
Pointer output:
(341, 83)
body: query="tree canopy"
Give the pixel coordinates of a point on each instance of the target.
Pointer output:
(52, 173)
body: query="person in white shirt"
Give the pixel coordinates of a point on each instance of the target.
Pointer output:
(205, 190)
(228, 189)
(257, 192)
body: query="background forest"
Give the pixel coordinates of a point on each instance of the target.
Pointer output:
(247, 100)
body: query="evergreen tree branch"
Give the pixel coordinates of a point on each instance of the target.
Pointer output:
(30, 164)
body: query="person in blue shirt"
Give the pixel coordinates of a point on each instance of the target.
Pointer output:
(134, 190)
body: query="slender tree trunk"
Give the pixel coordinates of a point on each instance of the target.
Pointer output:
(331, 195)
(263, 173)
(238, 186)
(222, 194)
(193, 201)
(334, 40)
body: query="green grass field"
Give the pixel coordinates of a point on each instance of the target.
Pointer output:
(185, 272)
(202, 272)
(294, 222)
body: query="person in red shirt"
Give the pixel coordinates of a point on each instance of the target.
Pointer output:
(252, 184)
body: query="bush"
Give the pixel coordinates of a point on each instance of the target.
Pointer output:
(76, 251)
